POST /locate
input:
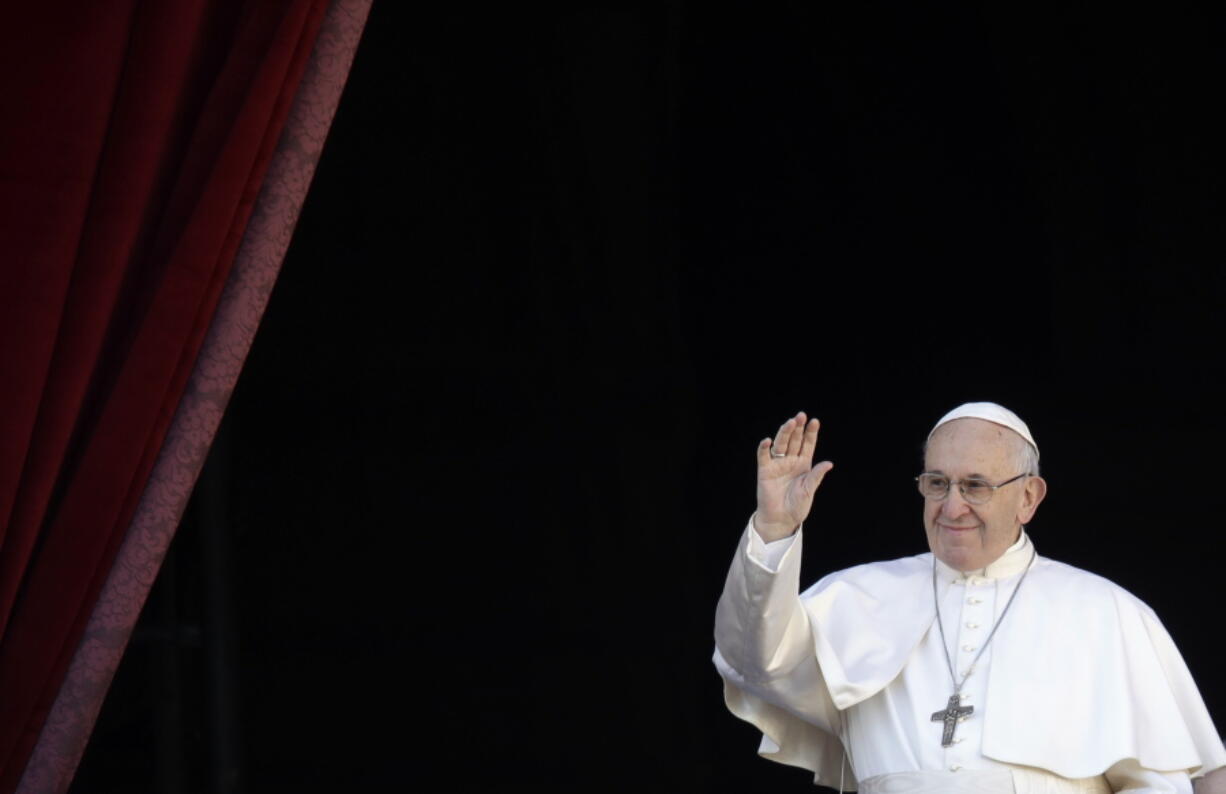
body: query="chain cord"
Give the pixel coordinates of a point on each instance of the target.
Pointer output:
(940, 625)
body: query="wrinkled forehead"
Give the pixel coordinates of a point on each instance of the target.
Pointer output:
(963, 446)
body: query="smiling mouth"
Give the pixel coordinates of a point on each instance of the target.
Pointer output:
(957, 529)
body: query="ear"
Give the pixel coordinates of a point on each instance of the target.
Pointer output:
(1032, 494)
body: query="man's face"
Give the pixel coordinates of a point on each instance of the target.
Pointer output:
(967, 537)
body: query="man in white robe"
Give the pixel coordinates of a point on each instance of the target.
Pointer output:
(1038, 677)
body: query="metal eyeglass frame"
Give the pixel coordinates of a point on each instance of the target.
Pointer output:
(962, 489)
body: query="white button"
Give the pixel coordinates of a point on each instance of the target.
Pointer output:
(972, 625)
(959, 739)
(967, 672)
(973, 600)
(968, 648)
(955, 767)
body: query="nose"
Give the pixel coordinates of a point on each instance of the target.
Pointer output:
(954, 505)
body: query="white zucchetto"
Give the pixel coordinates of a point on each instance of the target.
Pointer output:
(989, 412)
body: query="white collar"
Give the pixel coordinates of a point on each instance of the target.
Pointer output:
(1012, 562)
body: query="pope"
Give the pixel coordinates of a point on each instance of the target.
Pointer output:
(979, 666)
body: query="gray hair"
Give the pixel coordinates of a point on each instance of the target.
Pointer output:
(1026, 457)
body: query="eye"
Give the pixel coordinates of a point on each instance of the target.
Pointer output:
(976, 488)
(935, 483)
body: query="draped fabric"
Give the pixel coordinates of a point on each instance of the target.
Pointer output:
(136, 139)
(230, 335)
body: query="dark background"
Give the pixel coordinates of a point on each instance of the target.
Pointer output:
(561, 268)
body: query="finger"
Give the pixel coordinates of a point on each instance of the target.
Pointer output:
(790, 444)
(809, 441)
(764, 452)
(797, 434)
(780, 447)
(815, 476)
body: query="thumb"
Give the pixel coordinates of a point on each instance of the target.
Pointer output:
(815, 476)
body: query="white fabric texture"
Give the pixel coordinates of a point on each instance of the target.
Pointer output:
(1123, 776)
(991, 781)
(970, 781)
(990, 412)
(1081, 680)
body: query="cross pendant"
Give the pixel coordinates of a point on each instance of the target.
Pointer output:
(951, 715)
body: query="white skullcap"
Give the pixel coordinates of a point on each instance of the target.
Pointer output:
(990, 412)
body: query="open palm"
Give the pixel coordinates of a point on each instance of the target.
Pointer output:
(787, 478)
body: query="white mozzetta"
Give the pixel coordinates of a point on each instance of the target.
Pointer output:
(1081, 679)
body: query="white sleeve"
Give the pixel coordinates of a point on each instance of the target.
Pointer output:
(764, 639)
(768, 555)
(1128, 775)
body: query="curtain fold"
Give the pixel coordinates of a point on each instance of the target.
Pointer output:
(127, 179)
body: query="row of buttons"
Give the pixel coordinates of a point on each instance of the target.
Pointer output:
(968, 648)
(972, 625)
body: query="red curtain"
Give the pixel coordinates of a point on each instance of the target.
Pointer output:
(135, 139)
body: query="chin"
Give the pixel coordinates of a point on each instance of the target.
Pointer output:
(962, 559)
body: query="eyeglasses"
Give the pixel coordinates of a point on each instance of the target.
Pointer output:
(975, 491)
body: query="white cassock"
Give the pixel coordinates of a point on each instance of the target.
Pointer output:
(1081, 680)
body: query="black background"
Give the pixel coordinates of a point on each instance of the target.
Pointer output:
(559, 271)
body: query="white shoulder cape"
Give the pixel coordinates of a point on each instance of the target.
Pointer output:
(1083, 676)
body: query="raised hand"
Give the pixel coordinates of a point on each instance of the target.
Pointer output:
(787, 478)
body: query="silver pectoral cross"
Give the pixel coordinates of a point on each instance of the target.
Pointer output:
(951, 715)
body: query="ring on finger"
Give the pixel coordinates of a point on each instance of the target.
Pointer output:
(775, 454)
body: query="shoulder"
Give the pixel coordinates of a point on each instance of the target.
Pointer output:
(896, 571)
(1074, 586)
